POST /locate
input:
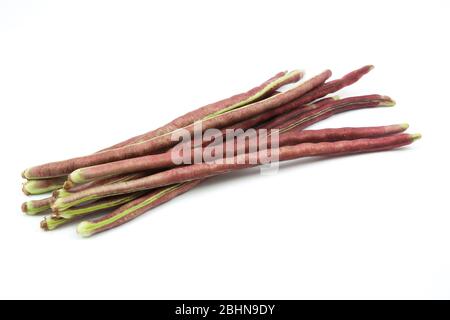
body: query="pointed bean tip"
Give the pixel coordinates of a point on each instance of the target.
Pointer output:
(24, 174)
(24, 207)
(84, 229)
(416, 136)
(297, 73)
(388, 101)
(52, 222)
(25, 189)
(76, 177)
(68, 184)
(44, 224)
(404, 126)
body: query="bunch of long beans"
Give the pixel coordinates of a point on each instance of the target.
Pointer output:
(138, 174)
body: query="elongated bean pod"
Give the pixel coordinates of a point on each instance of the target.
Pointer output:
(163, 139)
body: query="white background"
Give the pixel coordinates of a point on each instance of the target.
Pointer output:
(76, 76)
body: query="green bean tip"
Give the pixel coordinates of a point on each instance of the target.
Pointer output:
(84, 229)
